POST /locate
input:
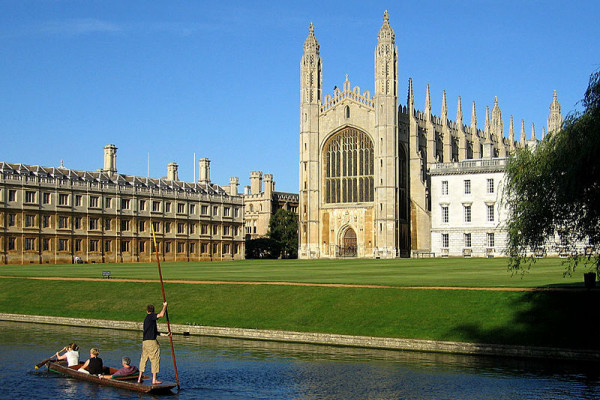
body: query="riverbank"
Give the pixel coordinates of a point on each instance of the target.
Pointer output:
(324, 339)
(563, 319)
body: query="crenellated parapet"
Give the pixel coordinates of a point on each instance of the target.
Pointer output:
(353, 95)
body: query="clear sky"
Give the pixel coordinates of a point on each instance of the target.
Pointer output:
(221, 78)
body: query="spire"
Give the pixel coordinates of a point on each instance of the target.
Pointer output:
(386, 60)
(522, 136)
(386, 33)
(311, 45)
(411, 96)
(511, 132)
(311, 80)
(459, 113)
(347, 84)
(543, 132)
(555, 119)
(486, 126)
(497, 126)
(533, 131)
(473, 117)
(428, 102)
(444, 108)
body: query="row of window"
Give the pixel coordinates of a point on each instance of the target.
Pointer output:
(126, 204)
(490, 240)
(467, 183)
(467, 215)
(94, 224)
(29, 244)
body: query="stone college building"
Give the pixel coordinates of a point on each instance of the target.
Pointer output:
(366, 162)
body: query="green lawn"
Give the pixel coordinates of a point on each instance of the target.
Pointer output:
(543, 318)
(560, 319)
(475, 272)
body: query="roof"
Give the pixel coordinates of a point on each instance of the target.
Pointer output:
(104, 177)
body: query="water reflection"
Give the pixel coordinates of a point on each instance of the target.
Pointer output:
(213, 368)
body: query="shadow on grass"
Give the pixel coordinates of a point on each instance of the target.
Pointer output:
(566, 319)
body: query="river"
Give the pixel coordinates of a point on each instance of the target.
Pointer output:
(213, 368)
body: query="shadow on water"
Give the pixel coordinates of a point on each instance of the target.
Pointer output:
(562, 318)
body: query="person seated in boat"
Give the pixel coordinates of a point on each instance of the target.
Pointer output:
(126, 370)
(94, 364)
(71, 354)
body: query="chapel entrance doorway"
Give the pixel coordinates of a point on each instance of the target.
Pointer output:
(349, 243)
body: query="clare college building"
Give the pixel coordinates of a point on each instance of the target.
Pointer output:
(379, 179)
(60, 215)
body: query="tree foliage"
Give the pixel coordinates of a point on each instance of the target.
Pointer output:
(555, 188)
(262, 248)
(283, 228)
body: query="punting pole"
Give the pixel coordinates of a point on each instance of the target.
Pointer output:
(162, 286)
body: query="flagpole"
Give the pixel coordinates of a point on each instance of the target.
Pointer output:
(162, 286)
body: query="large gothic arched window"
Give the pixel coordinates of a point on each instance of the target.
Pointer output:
(348, 167)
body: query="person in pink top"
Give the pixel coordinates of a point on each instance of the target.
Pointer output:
(127, 369)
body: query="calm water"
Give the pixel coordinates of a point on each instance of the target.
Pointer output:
(237, 369)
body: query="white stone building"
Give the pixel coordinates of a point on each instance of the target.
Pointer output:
(468, 217)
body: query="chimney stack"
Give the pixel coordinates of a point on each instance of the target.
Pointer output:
(110, 159)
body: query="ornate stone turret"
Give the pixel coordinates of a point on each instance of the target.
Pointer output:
(497, 124)
(522, 138)
(555, 119)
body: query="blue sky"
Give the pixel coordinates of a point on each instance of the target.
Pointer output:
(221, 79)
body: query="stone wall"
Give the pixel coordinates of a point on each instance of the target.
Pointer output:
(324, 338)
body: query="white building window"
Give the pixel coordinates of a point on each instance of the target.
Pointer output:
(467, 213)
(445, 215)
(490, 240)
(490, 213)
(467, 186)
(490, 186)
(467, 240)
(445, 240)
(444, 188)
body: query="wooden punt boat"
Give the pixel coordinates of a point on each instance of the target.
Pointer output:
(128, 382)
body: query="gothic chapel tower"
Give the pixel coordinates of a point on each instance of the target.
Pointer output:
(349, 161)
(310, 103)
(386, 146)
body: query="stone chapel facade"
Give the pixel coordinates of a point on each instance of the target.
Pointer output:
(365, 184)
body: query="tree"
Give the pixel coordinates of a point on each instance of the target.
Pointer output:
(555, 188)
(262, 248)
(283, 228)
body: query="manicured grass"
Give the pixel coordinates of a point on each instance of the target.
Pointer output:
(475, 272)
(562, 319)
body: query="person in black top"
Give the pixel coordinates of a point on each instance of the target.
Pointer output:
(150, 346)
(93, 365)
